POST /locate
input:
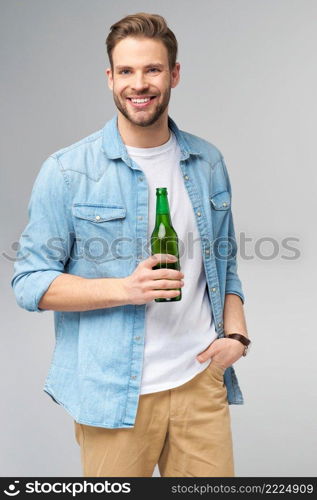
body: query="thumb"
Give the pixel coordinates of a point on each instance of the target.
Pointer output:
(206, 354)
(159, 258)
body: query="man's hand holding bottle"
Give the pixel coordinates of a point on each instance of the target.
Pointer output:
(146, 284)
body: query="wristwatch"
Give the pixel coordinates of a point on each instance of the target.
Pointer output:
(242, 338)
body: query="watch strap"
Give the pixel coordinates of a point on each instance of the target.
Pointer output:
(241, 338)
(237, 336)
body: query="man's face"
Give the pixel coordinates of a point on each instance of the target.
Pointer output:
(141, 71)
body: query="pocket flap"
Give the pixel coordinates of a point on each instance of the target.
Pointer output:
(98, 213)
(221, 201)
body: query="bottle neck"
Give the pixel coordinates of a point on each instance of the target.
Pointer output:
(162, 210)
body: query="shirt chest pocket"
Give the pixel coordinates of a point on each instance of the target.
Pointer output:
(220, 209)
(99, 230)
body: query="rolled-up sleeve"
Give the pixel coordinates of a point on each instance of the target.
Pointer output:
(233, 282)
(45, 243)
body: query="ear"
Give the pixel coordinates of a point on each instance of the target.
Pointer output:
(175, 75)
(108, 73)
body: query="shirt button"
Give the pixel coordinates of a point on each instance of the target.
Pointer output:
(186, 177)
(137, 338)
(133, 377)
(220, 324)
(207, 251)
(140, 217)
(97, 217)
(224, 204)
(199, 214)
(213, 289)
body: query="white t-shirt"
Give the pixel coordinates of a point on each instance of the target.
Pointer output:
(176, 332)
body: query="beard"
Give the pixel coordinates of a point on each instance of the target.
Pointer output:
(153, 115)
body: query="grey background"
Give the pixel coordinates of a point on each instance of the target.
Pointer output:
(248, 84)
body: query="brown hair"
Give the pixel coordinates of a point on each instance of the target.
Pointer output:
(142, 24)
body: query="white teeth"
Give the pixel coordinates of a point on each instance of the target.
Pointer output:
(140, 100)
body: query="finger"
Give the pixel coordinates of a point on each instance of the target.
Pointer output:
(167, 294)
(157, 258)
(205, 355)
(165, 273)
(161, 284)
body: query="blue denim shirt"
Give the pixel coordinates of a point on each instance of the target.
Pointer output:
(88, 217)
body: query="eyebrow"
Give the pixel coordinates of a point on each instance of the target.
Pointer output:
(157, 65)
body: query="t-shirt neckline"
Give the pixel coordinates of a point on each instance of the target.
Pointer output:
(152, 151)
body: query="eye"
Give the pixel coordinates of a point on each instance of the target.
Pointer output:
(153, 69)
(124, 71)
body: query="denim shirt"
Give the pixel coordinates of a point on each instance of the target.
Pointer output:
(88, 216)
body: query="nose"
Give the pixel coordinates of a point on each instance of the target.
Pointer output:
(139, 83)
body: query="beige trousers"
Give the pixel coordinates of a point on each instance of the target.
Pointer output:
(185, 430)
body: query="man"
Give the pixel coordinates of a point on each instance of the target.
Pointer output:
(146, 383)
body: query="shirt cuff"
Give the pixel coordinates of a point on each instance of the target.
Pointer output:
(235, 292)
(39, 282)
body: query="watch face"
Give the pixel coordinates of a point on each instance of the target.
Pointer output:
(246, 349)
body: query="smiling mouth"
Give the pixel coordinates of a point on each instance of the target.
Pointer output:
(141, 102)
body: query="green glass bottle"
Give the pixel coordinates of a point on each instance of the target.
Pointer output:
(164, 237)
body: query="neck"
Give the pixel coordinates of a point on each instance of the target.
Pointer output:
(144, 137)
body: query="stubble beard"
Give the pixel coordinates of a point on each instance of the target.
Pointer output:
(145, 122)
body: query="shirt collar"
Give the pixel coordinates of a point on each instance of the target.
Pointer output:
(114, 147)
